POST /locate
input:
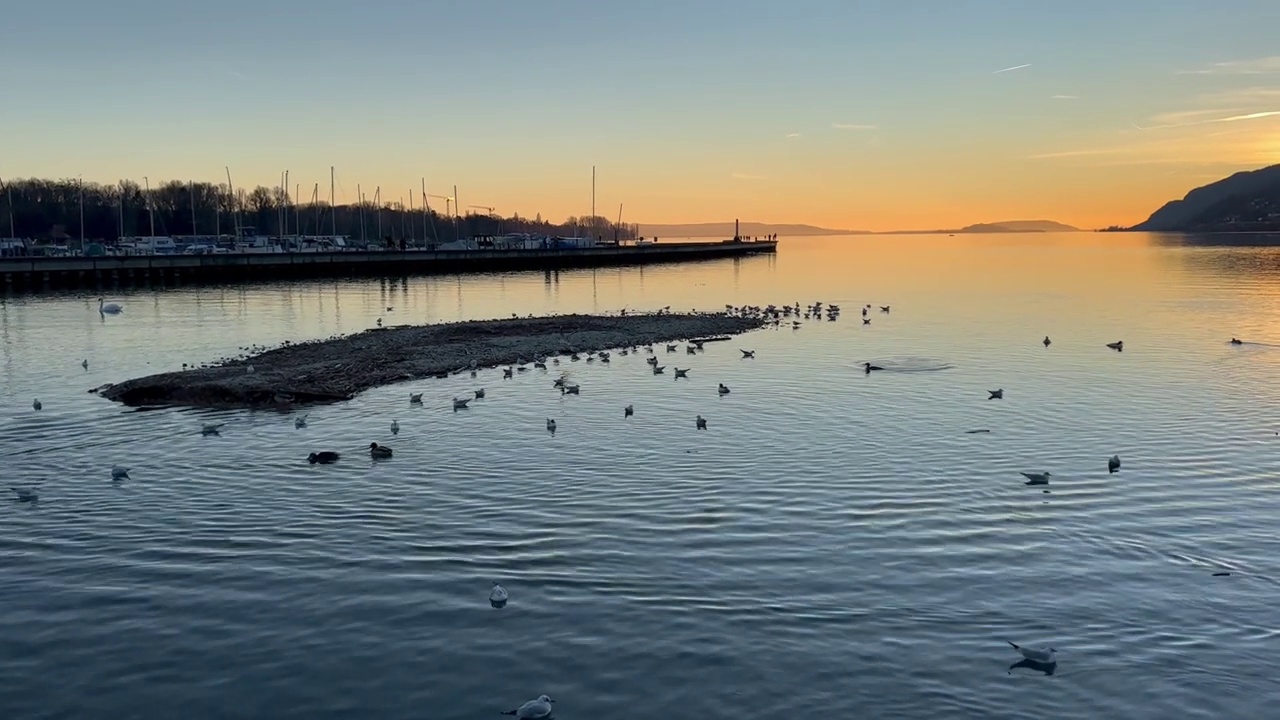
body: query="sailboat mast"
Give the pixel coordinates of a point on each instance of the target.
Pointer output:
(455, 213)
(151, 210)
(191, 185)
(120, 234)
(82, 214)
(360, 199)
(235, 206)
(9, 193)
(593, 199)
(297, 208)
(332, 205)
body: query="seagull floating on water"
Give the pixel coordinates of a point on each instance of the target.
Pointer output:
(498, 596)
(415, 398)
(479, 393)
(1037, 478)
(119, 473)
(628, 411)
(570, 390)
(701, 423)
(459, 404)
(508, 373)
(1118, 345)
(211, 428)
(324, 457)
(379, 451)
(551, 425)
(1113, 464)
(395, 427)
(85, 363)
(682, 373)
(36, 404)
(657, 369)
(884, 308)
(996, 394)
(747, 353)
(1046, 656)
(300, 422)
(534, 709)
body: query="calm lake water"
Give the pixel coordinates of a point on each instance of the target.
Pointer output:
(835, 545)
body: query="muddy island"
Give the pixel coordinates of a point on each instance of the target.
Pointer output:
(338, 368)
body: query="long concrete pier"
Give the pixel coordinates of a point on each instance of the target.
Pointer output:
(40, 272)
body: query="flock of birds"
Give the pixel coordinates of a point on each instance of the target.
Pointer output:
(1043, 659)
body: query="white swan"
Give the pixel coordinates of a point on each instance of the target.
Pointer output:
(107, 308)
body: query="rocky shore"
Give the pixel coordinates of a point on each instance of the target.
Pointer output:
(337, 369)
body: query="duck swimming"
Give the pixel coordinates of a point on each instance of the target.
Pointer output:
(324, 457)
(551, 425)
(1233, 342)
(996, 394)
(868, 367)
(1113, 464)
(379, 451)
(1047, 341)
(701, 423)
(723, 389)
(628, 411)
(1118, 345)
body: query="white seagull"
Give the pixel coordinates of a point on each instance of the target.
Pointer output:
(1037, 478)
(498, 596)
(534, 709)
(1041, 655)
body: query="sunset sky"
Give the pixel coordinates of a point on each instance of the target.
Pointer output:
(873, 115)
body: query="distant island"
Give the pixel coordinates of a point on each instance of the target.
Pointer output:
(746, 229)
(1004, 226)
(1244, 202)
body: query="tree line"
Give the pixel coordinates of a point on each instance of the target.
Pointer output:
(52, 210)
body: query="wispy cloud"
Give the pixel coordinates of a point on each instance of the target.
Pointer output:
(789, 136)
(1258, 66)
(746, 176)
(1210, 121)
(1011, 69)
(1064, 97)
(851, 126)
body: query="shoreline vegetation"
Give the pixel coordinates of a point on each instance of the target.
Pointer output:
(338, 368)
(51, 210)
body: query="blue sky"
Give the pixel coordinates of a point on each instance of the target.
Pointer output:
(685, 108)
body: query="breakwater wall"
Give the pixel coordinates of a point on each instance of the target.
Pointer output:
(18, 273)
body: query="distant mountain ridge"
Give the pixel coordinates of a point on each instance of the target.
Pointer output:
(747, 229)
(1248, 200)
(754, 229)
